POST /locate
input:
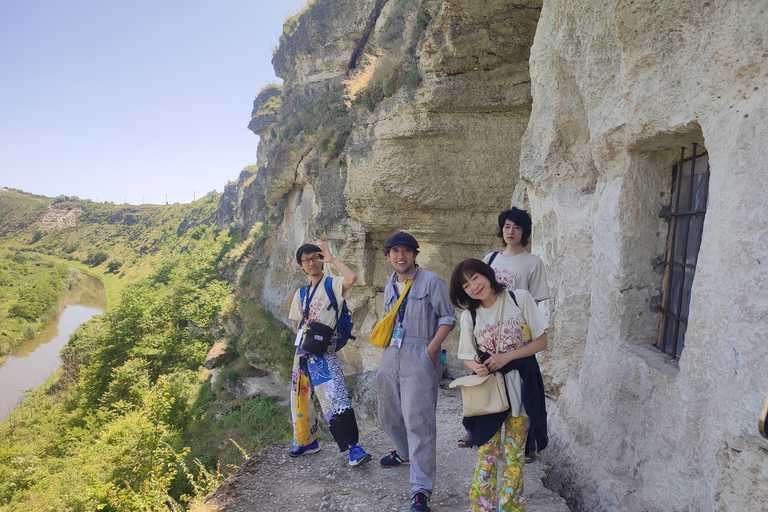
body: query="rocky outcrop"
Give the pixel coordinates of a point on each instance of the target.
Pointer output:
(220, 354)
(618, 88)
(58, 217)
(437, 159)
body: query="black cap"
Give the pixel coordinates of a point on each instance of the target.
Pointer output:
(402, 239)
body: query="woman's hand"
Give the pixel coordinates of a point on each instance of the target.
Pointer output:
(481, 370)
(478, 368)
(497, 361)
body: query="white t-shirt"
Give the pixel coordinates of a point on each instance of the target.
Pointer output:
(486, 330)
(486, 325)
(522, 271)
(318, 308)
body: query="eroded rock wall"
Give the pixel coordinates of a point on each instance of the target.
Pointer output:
(438, 158)
(618, 87)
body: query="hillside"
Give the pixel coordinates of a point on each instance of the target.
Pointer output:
(126, 240)
(131, 420)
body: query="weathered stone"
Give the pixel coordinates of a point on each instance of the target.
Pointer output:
(220, 354)
(618, 87)
(59, 217)
(264, 384)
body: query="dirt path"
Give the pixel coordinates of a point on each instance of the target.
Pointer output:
(272, 481)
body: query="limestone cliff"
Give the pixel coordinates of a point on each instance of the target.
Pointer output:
(437, 155)
(618, 88)
(431, 116)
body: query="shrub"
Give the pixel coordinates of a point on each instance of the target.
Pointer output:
(96, 257)
(113, 266)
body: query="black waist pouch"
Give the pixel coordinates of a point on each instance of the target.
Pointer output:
(317, 338)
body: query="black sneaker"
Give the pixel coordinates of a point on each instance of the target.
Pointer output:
(393, 460)
(420, 503)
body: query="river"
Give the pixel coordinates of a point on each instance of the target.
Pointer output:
(33, 362)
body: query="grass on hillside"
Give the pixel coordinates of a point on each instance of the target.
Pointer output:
(30, 289)
(127, 422)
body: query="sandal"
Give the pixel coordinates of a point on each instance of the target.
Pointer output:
(466, 441)
(530, 457)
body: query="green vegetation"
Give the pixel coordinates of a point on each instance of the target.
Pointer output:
(137, 236)
(390, 57)
(130, 399)
(291, 24)
(130, 420)
(323, 117)
(18, 209)
(30, 287)
(268, 101)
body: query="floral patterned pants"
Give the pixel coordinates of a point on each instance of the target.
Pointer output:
(482, 493)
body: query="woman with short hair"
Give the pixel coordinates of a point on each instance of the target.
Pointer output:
(501, 331)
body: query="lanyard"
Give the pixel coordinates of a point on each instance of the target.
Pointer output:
(309, 300)
(401, 311)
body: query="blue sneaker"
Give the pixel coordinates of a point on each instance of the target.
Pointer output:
(420, 503)
(393, 460)
(312, 447)
(357, 456)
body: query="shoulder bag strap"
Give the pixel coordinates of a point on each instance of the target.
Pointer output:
(405, 290)
(473, 314)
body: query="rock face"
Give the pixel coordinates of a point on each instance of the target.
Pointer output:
(58, 217)
(438, 159)
(618, 88)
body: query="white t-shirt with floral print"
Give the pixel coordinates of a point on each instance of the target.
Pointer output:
(486, 329)
(522, 271)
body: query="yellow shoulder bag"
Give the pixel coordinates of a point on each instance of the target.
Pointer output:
(382, 333)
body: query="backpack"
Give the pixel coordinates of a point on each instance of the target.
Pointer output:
(343, 320)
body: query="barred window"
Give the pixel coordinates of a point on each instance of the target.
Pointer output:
(688, 206)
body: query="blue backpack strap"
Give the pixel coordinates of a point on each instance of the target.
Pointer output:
(493, 257)
(331, 296)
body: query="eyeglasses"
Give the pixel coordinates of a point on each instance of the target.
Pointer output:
(313, 259)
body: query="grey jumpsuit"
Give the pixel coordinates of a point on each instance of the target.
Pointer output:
(408, 380)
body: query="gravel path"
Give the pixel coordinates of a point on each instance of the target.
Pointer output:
(272, 481)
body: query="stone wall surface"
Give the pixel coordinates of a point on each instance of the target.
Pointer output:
(437, 159)
(618, 88)
(586, 140)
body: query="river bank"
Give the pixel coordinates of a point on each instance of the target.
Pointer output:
(31, 364)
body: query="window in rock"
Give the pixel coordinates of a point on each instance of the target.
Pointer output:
(690, 182)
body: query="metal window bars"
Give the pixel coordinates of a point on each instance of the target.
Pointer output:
(690, 189)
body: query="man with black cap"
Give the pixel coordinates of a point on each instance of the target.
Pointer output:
(412, 365)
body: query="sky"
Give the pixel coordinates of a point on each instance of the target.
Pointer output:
(132, 100)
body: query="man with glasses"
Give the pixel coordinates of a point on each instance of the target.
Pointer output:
(321, 373)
